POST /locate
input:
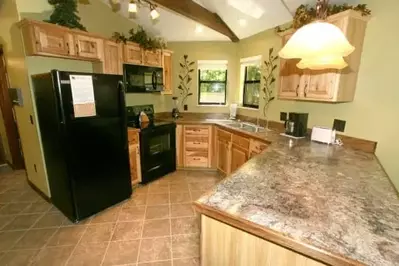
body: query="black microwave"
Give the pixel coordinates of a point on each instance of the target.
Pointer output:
(142, 78)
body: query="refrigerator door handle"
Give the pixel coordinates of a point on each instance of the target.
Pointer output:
(61, 112)
(123, 114)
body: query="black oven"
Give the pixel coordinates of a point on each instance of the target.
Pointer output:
(158, 151)
(142, 78)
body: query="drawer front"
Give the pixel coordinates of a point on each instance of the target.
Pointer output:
(197, 142)
(196, 130)
(133, 137)
(257, 146)
(241, 141)
(221, 134)
(196, 159)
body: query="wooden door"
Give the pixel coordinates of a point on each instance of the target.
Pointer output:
(291, 77)
(322, 84)
(239, 156)
(52, 41)
(135, 166)
(88, 47)
(113, 58)
(10, 125)
(133, 54)
(223, 156)
(167, 73)
(153, 58)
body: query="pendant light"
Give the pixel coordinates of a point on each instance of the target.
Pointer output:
(319, 45)
(154, 13)
(132, 6)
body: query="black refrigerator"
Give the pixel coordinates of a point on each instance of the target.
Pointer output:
(84, 138)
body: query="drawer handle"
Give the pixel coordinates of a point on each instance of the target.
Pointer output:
(197, 143)
(196, 159)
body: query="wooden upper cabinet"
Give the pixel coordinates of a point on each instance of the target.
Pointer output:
(290, 76)
(167, 72)
(113, 58)
(89, 47)
(153, 58)
(133, 54)
(328, 85)
(44, 39)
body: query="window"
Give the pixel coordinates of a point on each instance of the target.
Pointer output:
(251, 76)
(212, 82)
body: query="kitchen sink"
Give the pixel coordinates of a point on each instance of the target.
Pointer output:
(245, 126)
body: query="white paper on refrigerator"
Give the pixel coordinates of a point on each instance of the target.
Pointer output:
(83, 95)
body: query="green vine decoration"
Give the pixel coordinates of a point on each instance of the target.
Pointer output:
(186, 70)
(269, 80)
(141, 37)
(305, 14)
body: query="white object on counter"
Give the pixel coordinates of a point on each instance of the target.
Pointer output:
(233, 111)
(323, 135)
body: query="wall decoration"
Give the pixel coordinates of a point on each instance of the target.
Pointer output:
(141, 37)
(269, 80)
(185, 77)
(65, 14)
(305, 14)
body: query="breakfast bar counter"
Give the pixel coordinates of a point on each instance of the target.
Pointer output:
(315, 204)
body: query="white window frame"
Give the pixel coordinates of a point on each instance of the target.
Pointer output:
(212, 65)
(244, 62)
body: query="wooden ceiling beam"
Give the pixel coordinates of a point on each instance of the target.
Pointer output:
(196, 12)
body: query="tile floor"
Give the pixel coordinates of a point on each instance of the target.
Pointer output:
(157, 226)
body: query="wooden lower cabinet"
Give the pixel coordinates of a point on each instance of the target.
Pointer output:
(224, 245)
(223, 153)
(239, 156)
(197, 149)
(134, 156)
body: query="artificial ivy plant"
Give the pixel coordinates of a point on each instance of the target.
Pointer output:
(305, 14)
(65, 14)
(185, 77)
(269, 80)
(141, 37)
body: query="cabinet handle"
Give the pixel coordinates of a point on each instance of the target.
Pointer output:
(77, 49)
(297, 88)
(67, 44)
(305, 92)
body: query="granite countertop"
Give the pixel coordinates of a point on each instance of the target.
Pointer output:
(334, 200)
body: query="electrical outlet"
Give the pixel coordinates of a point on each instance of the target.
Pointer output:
(283, 116)
(339, 125)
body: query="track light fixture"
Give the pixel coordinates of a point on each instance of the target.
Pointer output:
(135, 4)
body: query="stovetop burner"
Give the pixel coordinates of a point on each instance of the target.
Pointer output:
(133, 115)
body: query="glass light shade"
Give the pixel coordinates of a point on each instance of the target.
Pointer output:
(132, 7)
(316, 40)
(323, 62)
(154, 14)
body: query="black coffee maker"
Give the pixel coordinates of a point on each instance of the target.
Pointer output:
(297, 125)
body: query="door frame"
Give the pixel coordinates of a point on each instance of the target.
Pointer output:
(9, 116)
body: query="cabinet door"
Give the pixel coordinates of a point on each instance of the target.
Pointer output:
(88, 47)
(113, 58)
(223, 156)
(135, 166)
(239, 156)
(153, 58)
(290, 76)
(52, 40)
(167, 73)
(322, 84)
(133, 54)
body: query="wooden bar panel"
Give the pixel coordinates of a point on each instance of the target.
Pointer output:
(223, 245)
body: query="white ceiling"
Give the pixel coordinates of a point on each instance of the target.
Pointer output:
(175, 27)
